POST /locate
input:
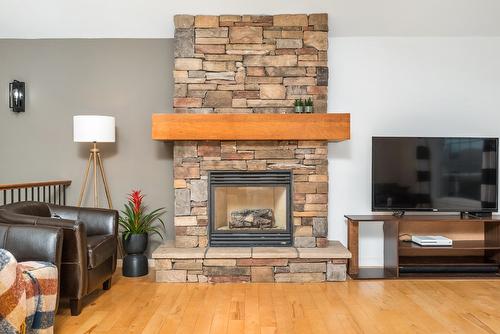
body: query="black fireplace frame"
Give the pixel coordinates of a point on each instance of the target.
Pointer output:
(254, 178)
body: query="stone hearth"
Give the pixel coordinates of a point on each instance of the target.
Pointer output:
(246, 264)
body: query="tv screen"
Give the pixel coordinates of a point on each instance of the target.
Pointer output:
(434, 174)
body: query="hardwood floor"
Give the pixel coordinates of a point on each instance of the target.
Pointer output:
(404, 306)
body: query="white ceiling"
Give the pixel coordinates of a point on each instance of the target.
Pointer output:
(153, 18)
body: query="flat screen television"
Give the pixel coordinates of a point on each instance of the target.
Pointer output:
(435, 174)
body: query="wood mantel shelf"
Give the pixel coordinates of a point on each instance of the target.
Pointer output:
(327, 127)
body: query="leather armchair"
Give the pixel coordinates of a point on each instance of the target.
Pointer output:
(33, 243)
(89, 249)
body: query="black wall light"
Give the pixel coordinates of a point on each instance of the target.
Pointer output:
(17, 96)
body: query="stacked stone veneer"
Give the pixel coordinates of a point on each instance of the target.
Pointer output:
(219, 265)
(250, 64)
(250, 270)
(245, 64)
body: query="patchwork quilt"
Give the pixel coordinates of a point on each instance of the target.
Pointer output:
(28, 295)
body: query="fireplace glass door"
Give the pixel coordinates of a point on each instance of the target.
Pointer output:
(250, 209)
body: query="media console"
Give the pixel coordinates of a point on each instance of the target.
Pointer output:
(475, 251)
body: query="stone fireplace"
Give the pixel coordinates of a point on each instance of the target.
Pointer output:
(248, 208)
(250, 64)
(306, 162)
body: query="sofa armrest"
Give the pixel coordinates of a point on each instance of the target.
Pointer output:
(33, 243)
(74, 233)
(97, 221)
(9, 217)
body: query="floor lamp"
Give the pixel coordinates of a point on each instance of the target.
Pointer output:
(94, 129)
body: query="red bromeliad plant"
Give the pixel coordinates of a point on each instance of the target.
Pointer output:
(134, 218)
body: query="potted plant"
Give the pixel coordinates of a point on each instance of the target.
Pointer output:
(299, 105)
(137, 224)
(308, 105)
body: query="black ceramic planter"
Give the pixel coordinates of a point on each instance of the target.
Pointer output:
(135, 263)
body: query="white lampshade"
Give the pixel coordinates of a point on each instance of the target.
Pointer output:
(92, 128)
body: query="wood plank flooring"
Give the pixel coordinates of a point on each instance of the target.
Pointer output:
(405, 306)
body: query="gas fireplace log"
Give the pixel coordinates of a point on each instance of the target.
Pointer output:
(252, 218)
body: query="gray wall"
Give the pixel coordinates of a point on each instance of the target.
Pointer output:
(126, 78)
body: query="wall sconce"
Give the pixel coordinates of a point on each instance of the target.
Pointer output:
(17, 96)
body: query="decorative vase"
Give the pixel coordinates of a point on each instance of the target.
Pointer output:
(299, 109)
(308, 109)
(135, 263)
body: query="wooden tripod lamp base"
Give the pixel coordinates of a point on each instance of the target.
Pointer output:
(95, 161)
(94, 129)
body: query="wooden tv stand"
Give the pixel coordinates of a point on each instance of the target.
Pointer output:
(476, 244)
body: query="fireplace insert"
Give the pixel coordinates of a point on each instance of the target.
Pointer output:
(250, 208)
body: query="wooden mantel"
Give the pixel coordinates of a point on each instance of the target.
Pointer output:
(328, 127)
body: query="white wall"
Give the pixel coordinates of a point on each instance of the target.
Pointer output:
(153, 18)
(419, 86)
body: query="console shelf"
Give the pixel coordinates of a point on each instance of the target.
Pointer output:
(444, 260)
(475, 251)
(457, 245)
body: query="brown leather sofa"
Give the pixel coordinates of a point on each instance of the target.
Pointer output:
(33, 243)
(89, 249)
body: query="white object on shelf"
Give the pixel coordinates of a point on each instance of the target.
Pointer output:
(431, 240)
